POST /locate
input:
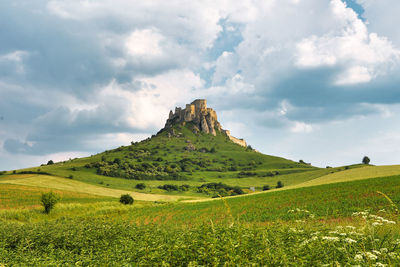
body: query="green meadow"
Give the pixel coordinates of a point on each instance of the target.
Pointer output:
(202, 207)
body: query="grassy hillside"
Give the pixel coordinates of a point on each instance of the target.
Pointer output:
(321, 217)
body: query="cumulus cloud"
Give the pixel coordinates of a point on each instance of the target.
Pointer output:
(99, 73)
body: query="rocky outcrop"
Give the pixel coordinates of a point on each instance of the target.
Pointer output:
(203, 119)
(235, 140)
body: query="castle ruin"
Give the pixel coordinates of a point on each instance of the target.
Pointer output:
(204, 119)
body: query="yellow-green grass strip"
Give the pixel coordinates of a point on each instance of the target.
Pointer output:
(80, 187)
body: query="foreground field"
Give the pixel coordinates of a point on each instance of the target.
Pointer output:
(343, 223)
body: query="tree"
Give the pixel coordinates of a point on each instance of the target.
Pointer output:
(126, 199)
(49, 200)
(279, 184)
(140, 186)
(365, 160)
(50, 162)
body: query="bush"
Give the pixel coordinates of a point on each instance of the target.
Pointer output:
(279, 184)
(169, 187)
(184, 187)
(237, 191)
(366, 160)
(71, 176)
(50, 162)
(140, 186)
(126, 199)
(266, 187)
(49, 200)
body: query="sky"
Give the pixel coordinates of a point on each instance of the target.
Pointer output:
(317, 80)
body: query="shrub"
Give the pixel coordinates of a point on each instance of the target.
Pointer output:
(237, 191)
(50, 162)
(169, 187)
(126, 199)
(71, 176)
(366, 160)
(184, 187)
(279, 184)
(49, 200)
(266, 187)
(140, 186)
(14, 171)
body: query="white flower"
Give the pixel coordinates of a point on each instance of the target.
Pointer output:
(350, 227)
(376, 252)
(349, 240)
(384, 250)
(330, 238)
(379, 264)
(371, 256)
(358, 257)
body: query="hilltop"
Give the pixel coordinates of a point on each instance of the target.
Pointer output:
(191, 150)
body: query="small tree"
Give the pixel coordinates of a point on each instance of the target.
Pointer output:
(126, 199)
(50, 162)
(140, 186)
(266, 187)
(365, 160)
(49, 200)
(279, 184)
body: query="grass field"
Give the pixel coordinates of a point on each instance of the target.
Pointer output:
(343, 223)
(19, 196)
(353, 174)
(59, 183)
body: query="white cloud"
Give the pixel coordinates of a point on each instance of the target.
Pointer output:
(144, 43)
(16, 59)
(363, 55)
(150, 104)
(356, 74)
(301, 127)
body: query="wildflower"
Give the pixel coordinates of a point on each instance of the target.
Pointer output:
(371, 256)
(379, 264)
(376, 252)
(349, 240)
(358, 257)
(384, 250)
(330, 238)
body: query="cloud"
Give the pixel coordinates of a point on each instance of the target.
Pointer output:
(144, 43)
(94, 74)
(121, 111)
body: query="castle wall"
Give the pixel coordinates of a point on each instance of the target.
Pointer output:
(205, 119)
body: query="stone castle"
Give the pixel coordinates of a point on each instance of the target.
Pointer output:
(204, 119)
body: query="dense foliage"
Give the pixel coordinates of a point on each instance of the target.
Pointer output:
(126, 199)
